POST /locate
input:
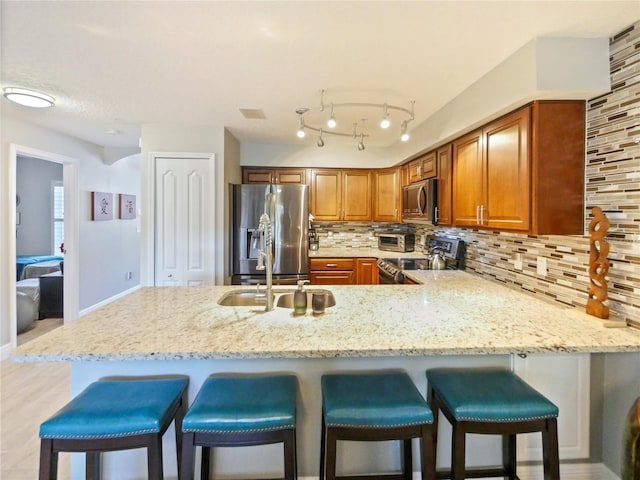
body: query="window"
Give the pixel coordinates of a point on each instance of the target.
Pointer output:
(57, 217)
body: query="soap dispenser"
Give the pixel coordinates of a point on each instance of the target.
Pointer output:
(300, 299)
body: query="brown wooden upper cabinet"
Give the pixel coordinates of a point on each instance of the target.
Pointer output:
(423, 167)
(524, 171)
(277, 175)
(387, 195)
(341, 194)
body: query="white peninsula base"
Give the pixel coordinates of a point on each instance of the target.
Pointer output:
(353, 457)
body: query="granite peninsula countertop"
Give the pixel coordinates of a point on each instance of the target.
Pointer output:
(452, 313)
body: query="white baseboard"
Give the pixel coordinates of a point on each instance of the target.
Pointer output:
(5, 351)
(107, 301)
(568, 471)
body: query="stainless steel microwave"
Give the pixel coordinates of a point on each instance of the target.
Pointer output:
(419, 200)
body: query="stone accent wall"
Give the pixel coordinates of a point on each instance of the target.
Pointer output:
(612, 183)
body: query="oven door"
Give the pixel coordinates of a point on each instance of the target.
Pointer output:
(386, 278)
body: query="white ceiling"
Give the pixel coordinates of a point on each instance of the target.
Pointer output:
(113, 66)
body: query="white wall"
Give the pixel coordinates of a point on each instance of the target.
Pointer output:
(232, 174)
(34, 177)
(105, 251)
(108, 249)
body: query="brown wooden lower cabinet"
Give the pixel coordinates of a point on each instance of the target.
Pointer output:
(366, 271)
(332, 278)
(343, 271)
(331, 271)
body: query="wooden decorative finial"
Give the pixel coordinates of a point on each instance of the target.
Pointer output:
(598, 264)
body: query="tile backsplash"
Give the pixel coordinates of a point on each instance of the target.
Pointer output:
(612, 174)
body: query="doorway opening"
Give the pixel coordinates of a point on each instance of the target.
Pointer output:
(39, 249)
(41, 237)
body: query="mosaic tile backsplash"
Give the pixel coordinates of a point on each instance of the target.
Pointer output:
(612, 183)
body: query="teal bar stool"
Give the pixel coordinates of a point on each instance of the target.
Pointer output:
(109, 415)
(370, 407)
(493, 401)
(238, 411)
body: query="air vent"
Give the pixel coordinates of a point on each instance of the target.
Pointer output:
(253, 113)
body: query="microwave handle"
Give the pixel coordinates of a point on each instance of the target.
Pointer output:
(422, 200)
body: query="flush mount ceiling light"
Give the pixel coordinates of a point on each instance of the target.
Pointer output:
(358, 133)
(28, 98)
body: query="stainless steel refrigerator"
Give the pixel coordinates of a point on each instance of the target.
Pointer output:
(288, 208)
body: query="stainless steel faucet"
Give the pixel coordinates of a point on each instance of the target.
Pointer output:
(265, 258)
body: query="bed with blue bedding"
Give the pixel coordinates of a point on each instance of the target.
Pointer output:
(24, 260)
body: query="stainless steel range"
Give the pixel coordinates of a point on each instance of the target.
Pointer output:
(442, 253)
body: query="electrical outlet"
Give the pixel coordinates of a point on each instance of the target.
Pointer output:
(128, 276)
(517, 261)
(542, 266)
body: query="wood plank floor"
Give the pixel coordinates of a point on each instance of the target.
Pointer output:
(29, 394)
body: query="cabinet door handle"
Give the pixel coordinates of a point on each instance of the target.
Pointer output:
(396, 214)
(477, 213)
(435, 219)
(332, 265)
(481, 214)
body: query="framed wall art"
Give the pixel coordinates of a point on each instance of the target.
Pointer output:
(101, 206)
(127, 206)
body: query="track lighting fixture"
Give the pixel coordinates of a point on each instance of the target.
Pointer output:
(385, 122)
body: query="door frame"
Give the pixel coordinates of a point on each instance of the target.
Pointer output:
(148, 221)
(70, 177)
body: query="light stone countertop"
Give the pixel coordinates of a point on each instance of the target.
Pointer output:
(452, 313)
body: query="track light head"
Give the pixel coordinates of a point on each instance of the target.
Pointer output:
(320, 141)
(331, 123)
(361, 143)
(385, 123)
(404, 136)
(301, 133)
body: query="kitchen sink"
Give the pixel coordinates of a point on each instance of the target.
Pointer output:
(286, 300)
(248, 298)
(242, 298)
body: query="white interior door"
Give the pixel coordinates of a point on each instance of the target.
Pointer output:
(183, 255)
